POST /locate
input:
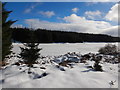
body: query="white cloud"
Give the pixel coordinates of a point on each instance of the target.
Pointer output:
(47, 13)
(92, 26)
(75, 10)
(93, 14)
(55, 26)
(112, 31)
(28, 10)
(73, 18)
(17, 26)
(112, 15)
(75, 23)
(87, 23)
(90, 3)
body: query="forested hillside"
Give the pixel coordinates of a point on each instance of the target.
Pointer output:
(48, 36)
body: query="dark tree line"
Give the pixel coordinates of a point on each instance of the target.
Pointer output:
(48, 36)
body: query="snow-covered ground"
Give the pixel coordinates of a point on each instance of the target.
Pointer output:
(51, 75)
(55, 49)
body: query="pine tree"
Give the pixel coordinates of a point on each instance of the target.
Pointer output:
(30, 53)
(6, 33)
(97, 66)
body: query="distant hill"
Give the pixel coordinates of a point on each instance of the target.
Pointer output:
(50, 36)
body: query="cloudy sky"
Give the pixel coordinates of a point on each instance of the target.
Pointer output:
(86, 17)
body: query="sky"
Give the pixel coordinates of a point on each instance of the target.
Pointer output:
(85, 17)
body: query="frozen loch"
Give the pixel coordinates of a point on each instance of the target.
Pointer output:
(60, 67)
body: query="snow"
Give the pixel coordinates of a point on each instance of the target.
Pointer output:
(52, 76)
(56, 49)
